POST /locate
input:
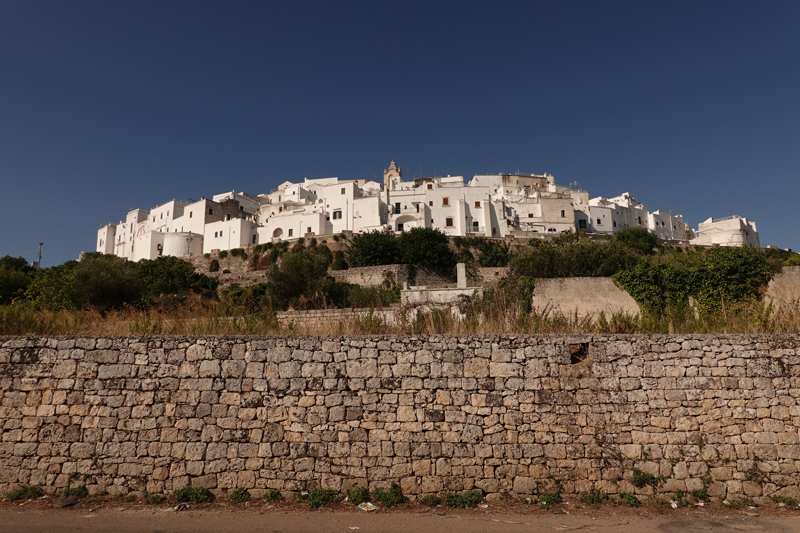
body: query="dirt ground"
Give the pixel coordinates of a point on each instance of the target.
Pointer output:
(91, 515)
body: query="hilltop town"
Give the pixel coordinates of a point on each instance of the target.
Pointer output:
(494, 206)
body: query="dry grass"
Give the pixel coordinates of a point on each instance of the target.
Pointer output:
(198, 317)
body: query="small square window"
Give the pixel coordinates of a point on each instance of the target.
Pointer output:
(478, 205)
(445, 201)
(430, 186)
(430, 204)
(308, 230)
(215, 234)
(448, 221)
(598, 222)
(343, 189)
(337, 215)
(530, 215)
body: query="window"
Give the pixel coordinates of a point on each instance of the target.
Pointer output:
(581, 224)
(615, 224)
(445, 201)
(220, 234)
(563, 213)
(478, 205)
(162, 216)
(417, 206)
(530, 215)
(343, 189)
(474, 225)
(210, 211)
(190, 214)
(290, 232)
(448, 221)
(430, 204)
(254, 238)
(430, 186)
(215, 234)
(599, 223)
(337, 215)
(640, 219)
(308, 230)
(400, 227)
(397, 208)
(241, 208)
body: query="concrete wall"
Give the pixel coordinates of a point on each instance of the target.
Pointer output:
(586, 296)
(434, 413)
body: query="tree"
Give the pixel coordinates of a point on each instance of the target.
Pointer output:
(427, 247)
(14, 278)
(639, 240)
(170, 276)
(301, 280)
(105, 282)
(372, 249)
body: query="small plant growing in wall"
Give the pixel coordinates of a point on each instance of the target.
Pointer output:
(640, 479)
(273, 495)
(194, 495)
(25, 492)
(469, 499)
(321, 498)
(430, 499)
(390, 497)
(358, 495)
(240, 495)
(213, 266)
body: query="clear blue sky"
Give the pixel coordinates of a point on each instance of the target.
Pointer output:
(108, 105)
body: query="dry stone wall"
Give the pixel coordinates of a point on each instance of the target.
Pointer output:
(434, 413)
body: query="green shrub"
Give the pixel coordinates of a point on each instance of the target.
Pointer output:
(594, 497)
(223, 254)
(630, 499)
(640, 479)
(469, 499)
(427, 247)
(392, 496)
(321, 498)
(273, 495)
(358, 495)
(213, 266)
(790, 502)
(155, 499)
(79, 492)
(549, 499)
(194, 495)
(431, 499)
(25, 492)
(238, 252)
(372, 249)
(240, 495)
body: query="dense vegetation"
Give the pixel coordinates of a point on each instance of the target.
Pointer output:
(103, 282)
(425, 247)
(168, 296)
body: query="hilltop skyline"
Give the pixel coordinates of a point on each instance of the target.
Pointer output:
(689, 106)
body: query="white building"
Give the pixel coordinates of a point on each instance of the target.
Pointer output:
(729, 231)
(490, 205)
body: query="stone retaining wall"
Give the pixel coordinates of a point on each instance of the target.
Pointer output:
(434, 413)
